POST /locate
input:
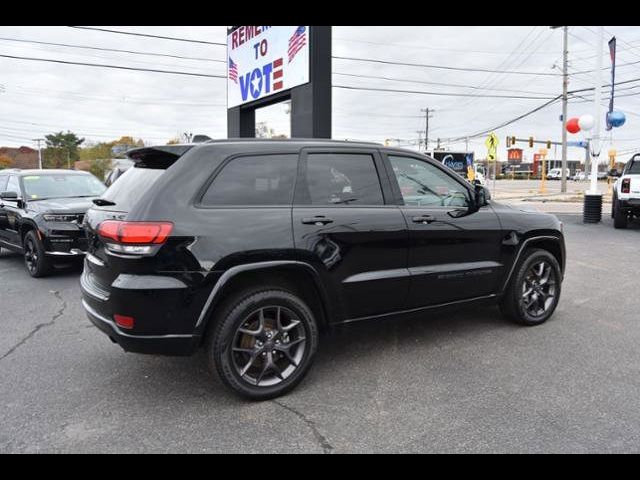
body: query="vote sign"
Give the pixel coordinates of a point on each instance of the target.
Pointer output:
(265, 60)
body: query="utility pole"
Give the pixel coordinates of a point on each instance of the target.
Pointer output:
(419, 132)
(428, 113)
(565, 85)
(38, 140)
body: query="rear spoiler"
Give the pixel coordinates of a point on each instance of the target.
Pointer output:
(157, 157)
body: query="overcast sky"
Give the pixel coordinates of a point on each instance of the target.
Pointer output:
(38, 98)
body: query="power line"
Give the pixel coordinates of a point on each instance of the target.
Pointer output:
(395, 79)
(177, 39)
(441, 67)
(117, 50)
(109, 98)
(119, 67)
(531, 112)
(442, 94)
(424, 47)
(508, 122)
(518, 61)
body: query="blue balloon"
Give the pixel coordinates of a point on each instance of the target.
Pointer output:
(616, 118)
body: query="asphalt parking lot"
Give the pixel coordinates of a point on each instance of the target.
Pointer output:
(460, 381)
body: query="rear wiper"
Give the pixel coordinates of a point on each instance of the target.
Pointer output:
(101, 202)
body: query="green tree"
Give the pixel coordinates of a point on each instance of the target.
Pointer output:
(99, 157)
(62, 149)
(99, 167)
(5, 161)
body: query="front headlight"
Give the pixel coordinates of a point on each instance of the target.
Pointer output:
(58, 217)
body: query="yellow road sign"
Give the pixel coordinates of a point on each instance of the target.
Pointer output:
(492, 142)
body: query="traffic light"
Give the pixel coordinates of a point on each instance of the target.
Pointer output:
(548, 144)
(513, 140)
(530, 142)
(508, 142)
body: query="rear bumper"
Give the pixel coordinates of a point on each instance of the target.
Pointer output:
(629, 203)
(176, 345)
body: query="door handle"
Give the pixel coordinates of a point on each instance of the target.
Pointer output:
(318, 221)
(424, 219)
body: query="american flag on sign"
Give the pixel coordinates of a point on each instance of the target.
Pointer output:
(297, 41)
(233, 71)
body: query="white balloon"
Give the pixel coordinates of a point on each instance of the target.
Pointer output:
(586, 122)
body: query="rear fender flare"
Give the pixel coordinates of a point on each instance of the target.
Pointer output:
(216, 293)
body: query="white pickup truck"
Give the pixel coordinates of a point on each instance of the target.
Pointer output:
(626, 194)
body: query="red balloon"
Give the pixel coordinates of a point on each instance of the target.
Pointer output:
(572, 125)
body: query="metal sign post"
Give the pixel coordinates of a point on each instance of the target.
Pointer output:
(492, 143)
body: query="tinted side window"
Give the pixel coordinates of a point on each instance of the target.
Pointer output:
(254, 180)
(3, 183)
(13, 185)
(423, 184)
(343, 179)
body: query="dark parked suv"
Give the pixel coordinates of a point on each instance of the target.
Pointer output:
(41, 215)
(250, 248)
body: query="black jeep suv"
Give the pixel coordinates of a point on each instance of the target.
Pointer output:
(41, 214)
(251, 247)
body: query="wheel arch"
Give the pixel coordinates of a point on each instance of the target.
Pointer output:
(551, 243)
(25, 227)
(298, 277)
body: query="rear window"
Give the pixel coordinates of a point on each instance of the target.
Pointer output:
(131, 186)
(150, 164)
(634, 167)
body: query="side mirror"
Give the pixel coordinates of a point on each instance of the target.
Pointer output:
(9, 196)
(482, 195)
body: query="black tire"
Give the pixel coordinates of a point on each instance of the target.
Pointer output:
(231, 350)
(38, 265)
(620, 217)
(538, 305)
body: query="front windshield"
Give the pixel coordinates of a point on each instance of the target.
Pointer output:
(63, 185)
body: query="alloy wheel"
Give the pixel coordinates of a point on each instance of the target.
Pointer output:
(268, 346)
(31, 255)
(539, 289)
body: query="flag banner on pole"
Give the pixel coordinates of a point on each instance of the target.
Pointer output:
(612, 52)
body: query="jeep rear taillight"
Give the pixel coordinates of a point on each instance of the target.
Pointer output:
(137, 238)
(626, 185)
